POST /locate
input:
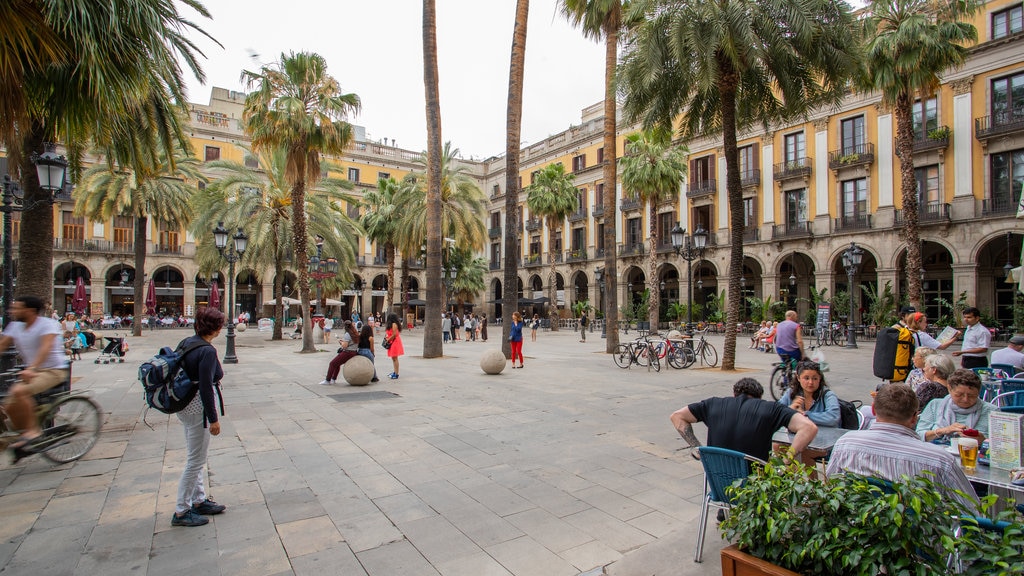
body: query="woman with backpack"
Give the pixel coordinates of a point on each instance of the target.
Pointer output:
(809, 396)
(204, 368)
(393, 342)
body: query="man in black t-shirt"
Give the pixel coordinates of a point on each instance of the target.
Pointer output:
(743, 423)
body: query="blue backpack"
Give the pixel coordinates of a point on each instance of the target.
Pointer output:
(166, 385)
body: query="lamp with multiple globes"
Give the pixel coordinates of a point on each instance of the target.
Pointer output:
(232, 254)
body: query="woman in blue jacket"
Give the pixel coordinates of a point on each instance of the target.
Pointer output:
(809, 395)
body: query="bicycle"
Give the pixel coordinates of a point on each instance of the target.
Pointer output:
(70, 421)
(705, 350)
(640, 352)
(676, 353)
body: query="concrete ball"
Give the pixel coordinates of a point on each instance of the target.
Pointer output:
(358, 371)
(674, 335)
(492, 361)
(240, 327)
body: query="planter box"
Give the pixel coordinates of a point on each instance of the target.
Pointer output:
(736, 563)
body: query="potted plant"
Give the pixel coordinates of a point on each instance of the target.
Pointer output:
(881, 306)
(783, 521)
(941, 133)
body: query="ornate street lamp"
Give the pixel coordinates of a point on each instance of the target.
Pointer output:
(1008, 268)
(232, 254)
(599, 278)
(852, 257)
(321, 268)
(689, 248)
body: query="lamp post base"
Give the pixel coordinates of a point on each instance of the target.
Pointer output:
(229, 352)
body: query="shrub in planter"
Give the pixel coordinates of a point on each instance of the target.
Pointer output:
(848, 525)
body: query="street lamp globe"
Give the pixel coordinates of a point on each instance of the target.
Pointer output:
(700, 237)
(678, 235)
(51, 168)
(241, 241)
(220, 236)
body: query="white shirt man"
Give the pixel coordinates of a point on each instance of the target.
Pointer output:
(1012, 354)
(974, 350)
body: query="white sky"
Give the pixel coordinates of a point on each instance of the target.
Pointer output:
(374, 49)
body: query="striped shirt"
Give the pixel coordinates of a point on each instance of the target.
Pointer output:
(890, 451)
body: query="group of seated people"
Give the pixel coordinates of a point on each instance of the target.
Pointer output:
(764, 337)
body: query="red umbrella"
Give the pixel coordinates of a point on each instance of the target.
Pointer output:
(151, 299)
(80, 302)
(214, 295)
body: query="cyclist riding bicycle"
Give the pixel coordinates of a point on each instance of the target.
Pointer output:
(789, 338)
(37, 340)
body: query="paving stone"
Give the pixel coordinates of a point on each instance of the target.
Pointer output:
(395, 558)
(592, 556)
(293, 505)
(438, 540)
(527, 556)
(309, 536)
(404, 507)
(334, 560)
(556, 534)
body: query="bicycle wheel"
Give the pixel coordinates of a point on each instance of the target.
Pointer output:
(708, 355)
(779, 381)
(622, 356)
(74, 428)
(823, 337)
(676, 358)
(689, 357)
(653, 359)
(643, 355)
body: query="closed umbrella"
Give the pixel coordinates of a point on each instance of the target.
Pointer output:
(80, 302)
(214, 295)
(151, 299)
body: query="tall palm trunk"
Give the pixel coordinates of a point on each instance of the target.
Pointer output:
(432, 347)
(403, 290)
(654, 302)
(301, 259)
(513, 125)
(389, 256)
(908, 188)
(139, 284)
(552, 285)
(734, 191)
(35, 248)
(611, 303)
(278, 333)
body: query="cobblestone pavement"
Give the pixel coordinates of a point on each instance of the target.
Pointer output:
(568, 466)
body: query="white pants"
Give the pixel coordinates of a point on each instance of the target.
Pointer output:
(197, 442)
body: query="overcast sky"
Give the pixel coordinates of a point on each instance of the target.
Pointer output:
(374, 49)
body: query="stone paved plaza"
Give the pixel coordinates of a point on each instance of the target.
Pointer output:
(568, 466)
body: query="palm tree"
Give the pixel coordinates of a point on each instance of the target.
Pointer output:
(260, 198)
(381, 222)
(603, 19)
(472, 274)
(552, 196)
(163, 194)
(910, 43)
(726, 66)
(299, 107)
(432, 345)
(513, 124)
(75, 91)
(653, 170)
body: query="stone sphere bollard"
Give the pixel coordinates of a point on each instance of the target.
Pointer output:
(675, 335)
(240, 327)
(492, 361)
(358, 371)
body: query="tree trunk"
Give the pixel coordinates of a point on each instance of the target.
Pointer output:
(654, 302)
(908, 189)
(403, 290)
(734, 191)
(139, 283)
(552, 285)
(432, 347)
(611, 275)
(35, 248)
(278, 333)
(389, 298)
(514, 116)
(301, 259)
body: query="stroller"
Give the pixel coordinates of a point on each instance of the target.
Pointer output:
(114, 351)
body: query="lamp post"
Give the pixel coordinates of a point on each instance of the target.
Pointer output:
(321, 268)
(689, 248)
(359, 297)
(599, 278)
(232, 254)
(851, 261)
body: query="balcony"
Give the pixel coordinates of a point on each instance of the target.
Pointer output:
(102, 246)
(533, 224)
(599, 254)
(1005, 122)
(664, 246)
(532, 261)
(629, 203)
(576, 255)
(169, 249)
(750, 178)
(417, 263)
(998, 206)
(751, 234)
(629, 250)
(937, 139)
(795, 230)
(379, 261)
(858, 222)
(798, 168)
(494, 232)
(361, 260)
(497, 195)
(578, 215)
(850, 156)
(555, 258)
(597, 210)
(927, 213)
(495, 265)
(701, 188)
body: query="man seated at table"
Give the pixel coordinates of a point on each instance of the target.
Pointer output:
(891, 449)
(1012, 354)
(963, 409)
(744, 423)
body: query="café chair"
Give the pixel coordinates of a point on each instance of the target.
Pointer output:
(722, 469)
(1012, 401)
(975, 524)
(1008, 369)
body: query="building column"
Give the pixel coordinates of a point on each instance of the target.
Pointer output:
(722, 195)
(884, 159)
(98, 293)
(821, 171)
(965, 280)
(188, 300)
(767, 180)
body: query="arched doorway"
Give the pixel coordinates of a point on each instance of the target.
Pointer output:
(750, 286)
(496, 295)
(936, 276)
(378, 291)
(707, 293)
(65, 276)
(169, 283)
(247, 290)
(671, 290)
(120, 300)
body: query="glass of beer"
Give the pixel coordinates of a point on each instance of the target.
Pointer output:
(968, 453)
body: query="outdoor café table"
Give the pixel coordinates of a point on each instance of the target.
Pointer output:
(998, 481)
(825, 439)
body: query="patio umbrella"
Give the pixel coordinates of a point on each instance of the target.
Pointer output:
(214, 295)
(80, 302)
(151, 298)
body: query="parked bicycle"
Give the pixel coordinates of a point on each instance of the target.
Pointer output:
(833, 335)
(704, 350)
(641, 352)
(676, 353)
(70, 421)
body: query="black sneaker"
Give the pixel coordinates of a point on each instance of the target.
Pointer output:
(189, 518)
(208, 508)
